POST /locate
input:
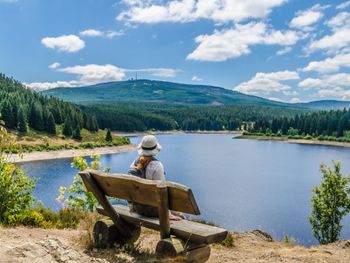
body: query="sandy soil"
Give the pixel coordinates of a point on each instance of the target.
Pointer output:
(298, 141)
(61, 154)
(40, 245)
(315, 142)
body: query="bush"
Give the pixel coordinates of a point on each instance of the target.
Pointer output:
(330, 203)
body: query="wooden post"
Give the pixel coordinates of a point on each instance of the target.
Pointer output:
(163, 211)
(93, 187)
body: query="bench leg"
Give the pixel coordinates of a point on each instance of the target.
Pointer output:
(106, 234)
(174, 247)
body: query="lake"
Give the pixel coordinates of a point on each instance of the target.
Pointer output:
(239, 184)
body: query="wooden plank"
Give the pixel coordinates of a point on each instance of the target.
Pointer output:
(181, 199)
(163, 212)
(184, 229)
(146, 192)
(101, 198)
(128, 187)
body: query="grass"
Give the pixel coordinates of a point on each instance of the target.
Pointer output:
(40, 141)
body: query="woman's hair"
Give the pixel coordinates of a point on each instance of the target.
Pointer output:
(143, 162)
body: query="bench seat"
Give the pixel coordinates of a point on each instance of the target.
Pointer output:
(184, 229)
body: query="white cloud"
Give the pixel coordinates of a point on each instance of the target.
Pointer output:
(92, 73)
(283, 51)
(195, 78)
(334, 81)
(65, 43)
(96, 33)
(340, 37)
(343, 5)
(183, 11)
(330, 64)
(292, 100)
(91, 33)
(38, 86)
(229, 43)
(306, 18)
(55, 65)
(266, 83)
(157, 72)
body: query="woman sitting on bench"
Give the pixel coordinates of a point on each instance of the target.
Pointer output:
(148, 167)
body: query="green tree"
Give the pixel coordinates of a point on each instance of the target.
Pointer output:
(15, 187)
(109, 136)
(50, 126)
(76, 134)
(7, 115)
(330, 203)
(22, 124)
(67, 128)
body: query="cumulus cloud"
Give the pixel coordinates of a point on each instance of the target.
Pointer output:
(65, 43)
(306, 18)
(330, 64)
(55, 65)
(195, 78)
(39, 86)
(265, 83)
(330, 82)
(338, 39)
(182, 11)
(343, 5)
(234, 42)
(96, 33)
(92, 73)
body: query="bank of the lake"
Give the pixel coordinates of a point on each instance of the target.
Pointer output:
(298, 141)
(62, 154)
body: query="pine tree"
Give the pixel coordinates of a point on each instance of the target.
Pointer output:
(109, 136)
(50, 124)
(22, 124)
(94, 124)
(7, 115)
(76, 134)
(67, 128)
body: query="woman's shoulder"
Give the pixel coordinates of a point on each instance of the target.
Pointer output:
(155, 164)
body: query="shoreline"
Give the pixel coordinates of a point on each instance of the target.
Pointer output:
(63, 154)
(135, 134)
(295, 141)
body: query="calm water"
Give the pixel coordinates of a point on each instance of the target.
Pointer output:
(239, 184)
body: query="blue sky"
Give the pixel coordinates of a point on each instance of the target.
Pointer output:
(278, 49)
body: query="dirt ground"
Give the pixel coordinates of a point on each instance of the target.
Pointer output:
(51, 245)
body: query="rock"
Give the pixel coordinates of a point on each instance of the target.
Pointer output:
(263, 235)
(50, 250)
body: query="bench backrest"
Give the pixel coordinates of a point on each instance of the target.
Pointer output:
(145, 192)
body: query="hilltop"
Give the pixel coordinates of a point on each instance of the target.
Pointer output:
(145, 90)
(157, 91)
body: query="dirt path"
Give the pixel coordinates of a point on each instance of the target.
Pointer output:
(66, 246)
(61, 154)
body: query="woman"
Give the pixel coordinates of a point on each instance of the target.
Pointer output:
(148, 167)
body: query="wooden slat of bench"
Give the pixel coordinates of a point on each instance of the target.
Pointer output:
(184, 229)
(146, 192)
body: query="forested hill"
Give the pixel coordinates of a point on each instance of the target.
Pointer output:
(21, 108)
(325, 105)
(157, 91)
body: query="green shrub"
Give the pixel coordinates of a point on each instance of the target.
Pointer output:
(228, 241)
(330, 203)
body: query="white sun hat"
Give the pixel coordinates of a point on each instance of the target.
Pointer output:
(149, 146)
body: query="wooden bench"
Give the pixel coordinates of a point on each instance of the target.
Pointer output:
(183, 237)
